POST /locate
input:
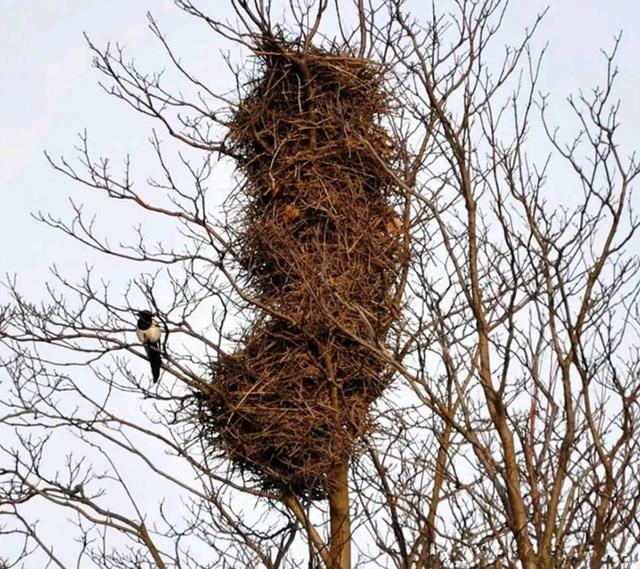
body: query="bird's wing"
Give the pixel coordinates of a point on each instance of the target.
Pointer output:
(155, 359)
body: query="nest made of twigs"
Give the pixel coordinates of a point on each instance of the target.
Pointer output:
(322, 248)
(279, 416)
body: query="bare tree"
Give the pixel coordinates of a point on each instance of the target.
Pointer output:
(509, 437)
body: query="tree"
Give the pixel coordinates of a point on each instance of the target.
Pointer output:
(509, 436)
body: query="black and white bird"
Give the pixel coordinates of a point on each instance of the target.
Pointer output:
(149, 334)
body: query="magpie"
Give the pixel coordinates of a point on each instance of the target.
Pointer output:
(149, 334)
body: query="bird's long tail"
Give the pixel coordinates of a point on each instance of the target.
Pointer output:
(155, 359)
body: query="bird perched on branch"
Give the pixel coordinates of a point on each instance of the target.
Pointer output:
(149, 334)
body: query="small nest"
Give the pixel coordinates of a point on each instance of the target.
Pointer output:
(323, 249)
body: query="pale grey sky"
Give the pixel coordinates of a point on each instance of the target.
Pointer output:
(49, 92)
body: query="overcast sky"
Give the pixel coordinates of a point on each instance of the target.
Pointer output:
(49, 92)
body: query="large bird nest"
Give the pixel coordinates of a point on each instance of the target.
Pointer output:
(322, 249)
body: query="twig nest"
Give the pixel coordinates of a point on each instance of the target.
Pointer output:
(277, 414)
(322, 250)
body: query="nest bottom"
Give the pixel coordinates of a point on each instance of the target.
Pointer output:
(286, 408)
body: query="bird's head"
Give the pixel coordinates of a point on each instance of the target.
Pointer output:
(145, 315)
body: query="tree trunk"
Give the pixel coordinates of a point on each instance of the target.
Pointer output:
(340, 540)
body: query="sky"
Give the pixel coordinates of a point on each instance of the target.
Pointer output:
(49, 92)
